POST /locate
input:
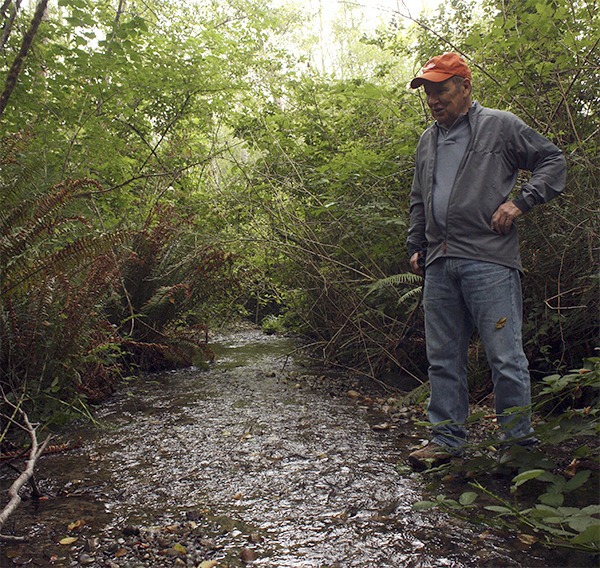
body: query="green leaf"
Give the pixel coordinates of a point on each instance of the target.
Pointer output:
(424, 505)
(527, 476)
(589, 535)
(581, 523)
(552, 499)
(467, 498)
(578, 480)
(499, 509)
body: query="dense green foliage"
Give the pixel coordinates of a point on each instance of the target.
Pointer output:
(550, 491)
(108, 273)
(164, 165)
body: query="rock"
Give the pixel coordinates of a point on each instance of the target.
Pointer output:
(130, 530)
(86, 559)
(111, 546)
(91, 545)
(247, 555)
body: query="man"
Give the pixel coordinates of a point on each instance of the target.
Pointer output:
(463, 235)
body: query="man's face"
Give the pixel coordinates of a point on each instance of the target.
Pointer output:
(448, 100)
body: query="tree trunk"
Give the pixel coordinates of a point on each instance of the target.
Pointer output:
(13, 74)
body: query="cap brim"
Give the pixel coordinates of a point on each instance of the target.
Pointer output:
(433, 76)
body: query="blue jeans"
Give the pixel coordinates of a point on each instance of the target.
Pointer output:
(461, 295)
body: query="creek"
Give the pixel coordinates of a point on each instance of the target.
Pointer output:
(260, 460)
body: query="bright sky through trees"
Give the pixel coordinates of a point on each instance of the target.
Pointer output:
(333, 28)
(375, 11)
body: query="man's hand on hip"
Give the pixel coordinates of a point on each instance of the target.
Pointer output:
(504, 217)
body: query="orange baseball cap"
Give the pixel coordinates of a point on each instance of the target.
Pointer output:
(440, 68)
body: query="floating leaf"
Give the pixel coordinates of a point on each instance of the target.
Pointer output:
(527, 539)
(68, 540)
(76, 525)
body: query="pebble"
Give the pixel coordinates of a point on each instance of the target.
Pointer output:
(91, 545)
(247, 555)
(131, 531)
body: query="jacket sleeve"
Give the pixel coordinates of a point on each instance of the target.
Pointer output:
(545, 161)
(415, 241)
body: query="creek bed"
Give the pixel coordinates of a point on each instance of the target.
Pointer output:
(256, 461)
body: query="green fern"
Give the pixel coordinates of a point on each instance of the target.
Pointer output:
(402, 279)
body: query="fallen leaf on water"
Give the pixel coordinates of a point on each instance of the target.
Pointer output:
(501, 323)
(180, 548)
(76, 525)
(68, 540)
(527, 539)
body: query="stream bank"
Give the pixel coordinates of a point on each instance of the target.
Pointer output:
(262, 460)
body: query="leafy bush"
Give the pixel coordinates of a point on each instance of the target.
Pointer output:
(550, 482)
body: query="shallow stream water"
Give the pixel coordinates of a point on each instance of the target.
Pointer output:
(270, 470)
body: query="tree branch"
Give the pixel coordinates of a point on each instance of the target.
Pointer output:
(13, 74)
(26, 476)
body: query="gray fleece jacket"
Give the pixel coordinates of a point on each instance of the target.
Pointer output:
(501, 144)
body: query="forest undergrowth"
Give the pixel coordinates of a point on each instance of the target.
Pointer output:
(178, 170)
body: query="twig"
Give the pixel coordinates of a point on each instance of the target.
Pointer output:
(25, 477)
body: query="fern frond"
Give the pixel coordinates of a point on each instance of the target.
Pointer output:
(410, 295)
(405, 278)
(27, 271)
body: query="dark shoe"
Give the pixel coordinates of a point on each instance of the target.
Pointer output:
(430, 456)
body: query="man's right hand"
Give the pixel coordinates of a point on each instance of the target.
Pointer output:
(414, 264)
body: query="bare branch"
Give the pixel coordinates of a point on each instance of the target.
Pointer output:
(25, 477)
